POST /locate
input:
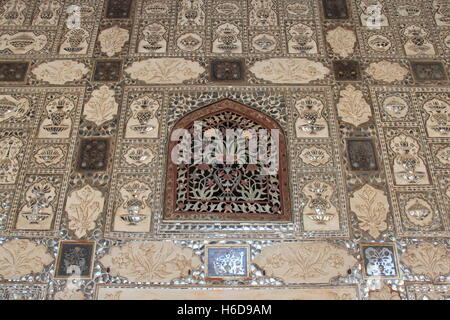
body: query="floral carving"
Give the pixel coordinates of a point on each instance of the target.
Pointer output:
(443, 155)
(49, 155)
(39, 207)
(387, 71)
(371, 208)
(13, 108)
(309, 262)
(315, 156)
(150, 261)
(299, 70)
(70, 292)
(438, 122)
(352, 106)
(165, 70)
(342, 41)
(21, 257)
(385, 293)
(112, 40)
(60, 71)
(428, 259)
(83, 208)
(102, 106)
(23, 42)
(10, 150)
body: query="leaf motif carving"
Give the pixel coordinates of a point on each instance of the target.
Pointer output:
(291, 70)
(21, 257)
(151, 261)
(371, 208)
(310, 262)
(165, 70)
(60, 71)
(342, 41)
(352, 106)
(83, 208)
(428, 259)
(387, 71)
(112, 40)
(102, 106)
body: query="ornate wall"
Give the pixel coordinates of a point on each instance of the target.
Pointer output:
(93, 208)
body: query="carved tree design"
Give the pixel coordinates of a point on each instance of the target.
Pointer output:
(342, 41)
(428, 259)
(21, 257)
(112, 40)
(352, 106)
(151, 261)
(83, 208)
(165, 70)
(371, 208)
(304, 262)
(102, 106)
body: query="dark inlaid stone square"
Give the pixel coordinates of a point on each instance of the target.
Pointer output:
(13, 71)
(93, 154)
(75, 259)
(335, 9)
(227, 70)
(379, 260)
(118, 9)
(346, 70)
(107, 70)
(428, 70)
(361, 155)
(227, 261)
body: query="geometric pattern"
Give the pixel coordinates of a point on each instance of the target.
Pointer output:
(92, 207)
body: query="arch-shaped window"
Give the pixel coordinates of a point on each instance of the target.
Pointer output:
(239, 175)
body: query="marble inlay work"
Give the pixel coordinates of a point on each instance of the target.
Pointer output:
(97, 98)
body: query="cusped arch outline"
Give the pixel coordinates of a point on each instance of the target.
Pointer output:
(276, 204)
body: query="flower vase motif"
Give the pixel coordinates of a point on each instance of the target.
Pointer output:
(38, 210)
(318, 208)
(139, 156)
(379, 43)
(262, 13)
(419, 212)
(23, 42)
(409, 167)
(264, 42)
(10, 148)
(12, 108)
(143, 122)
(319, 213)
(153, 39)
(372, 15)
(395, 106)
(75, 42)
(438, 122)
(301, 39)
(13, 13)
(133, 214)
(191, 13)
(48, 13)
(58, 122)
(442, 12)
(417, 42)
(227, 39)
(310, 122)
